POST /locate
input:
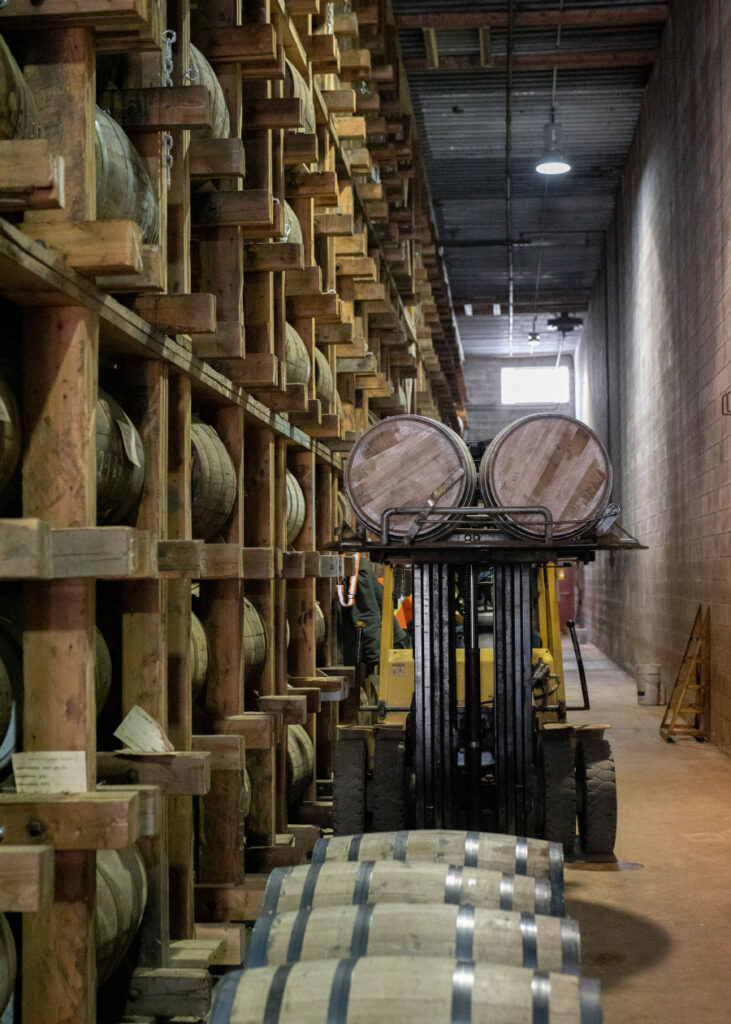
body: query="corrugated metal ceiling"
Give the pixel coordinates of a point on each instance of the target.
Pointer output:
(558, 223)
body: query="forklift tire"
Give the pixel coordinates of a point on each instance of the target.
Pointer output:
(349, 786)
(557, 790)
(596, 795)
(389, 784)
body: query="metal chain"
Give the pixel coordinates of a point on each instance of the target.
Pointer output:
(168, 38)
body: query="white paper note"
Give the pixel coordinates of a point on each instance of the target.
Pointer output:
(50, 771)
(140, 732)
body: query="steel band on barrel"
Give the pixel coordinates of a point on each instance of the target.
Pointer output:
(223, 999)
(319, 854)
(463, 983)
(354, 848)
(400, 842)
(257, 955)
(570, 946)
(363, 881)
(540, 988)
(361, 930)
(276, 993)
(507, 892)
(590, 1005)
(472, 850)
(465, 934)
(337, 1010)
(529, 936)
(297, 936)
(274, 889)
(521, 856)
(453, 885)
(308, 889)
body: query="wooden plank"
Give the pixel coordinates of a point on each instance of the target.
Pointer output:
(355, 62)
(76, 14)
(94, 247)
(250, 44)
(339, 101)
(159, 109)
(179, 314)
(103, 552)
(169, 992)
(227, 342)
(175, 772)
(311, 695)
(252, 208)
(80, 821)
(304, 282)
(541, 61)
(294, 565)
(350, 127)
(320, 185)
(221, 562)
(273, 256)
(25, 549)
(196, 953)
(324, 307)
(275, 113)
(26, 878)
(299, 148)
(152, 277)
(262, 563)
(179, 557)
(609, 15)
(227, 753)
(334, 225)
(231, 902)
(259, 730)
(292, 707)
(217, 158)
(232, 940)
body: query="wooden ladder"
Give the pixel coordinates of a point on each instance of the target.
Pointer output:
(686, 713)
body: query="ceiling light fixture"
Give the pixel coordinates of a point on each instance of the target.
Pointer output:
(534, 338)
(553, 161)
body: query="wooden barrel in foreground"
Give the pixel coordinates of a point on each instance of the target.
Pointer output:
(198, 656)
(291, 228)
(537, 858)
(11, 434)
(123, 187)
(213, 481)
(408, 461)
(385, 881)
(394, 990)
(552, 460)
(401, 929)
(295, 87)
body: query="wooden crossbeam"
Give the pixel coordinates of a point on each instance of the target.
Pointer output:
(612, 15)
(641, 57)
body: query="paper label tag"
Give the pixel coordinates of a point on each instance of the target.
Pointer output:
(141, 733)
(50, 771)
(129, 440)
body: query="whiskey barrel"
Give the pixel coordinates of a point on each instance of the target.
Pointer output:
(341, 882)
(292, 232)
(408, 461)
(198, 656)
(256, 643)
(300, 763)
(406, 929)
(537, 858)
(206, 76)
(551, 460)
(123, 187)
(11, 436)
(324, 385)
(392, 990)
(295, 508)
(121, 887)
(102, 669)
(320, 625)
(297, 358)
(8, 963)
(120, 463)
(345, 514)
(213, 481)
(295, 87)
(18, 110)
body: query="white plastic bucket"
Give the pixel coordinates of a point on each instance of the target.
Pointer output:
(649, 685)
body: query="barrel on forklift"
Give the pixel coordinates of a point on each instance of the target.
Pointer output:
(570, 773)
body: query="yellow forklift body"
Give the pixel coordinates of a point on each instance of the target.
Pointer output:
(396, 683)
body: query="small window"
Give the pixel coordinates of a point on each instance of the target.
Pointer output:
(535, 385)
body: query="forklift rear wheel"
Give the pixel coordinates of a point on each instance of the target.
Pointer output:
(557, 790)
(596, 795)
(389, 784)
(349, 786)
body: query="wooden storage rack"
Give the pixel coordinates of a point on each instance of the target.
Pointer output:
(195, 326)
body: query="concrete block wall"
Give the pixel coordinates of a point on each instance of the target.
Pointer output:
(487, 416)
(655, 362)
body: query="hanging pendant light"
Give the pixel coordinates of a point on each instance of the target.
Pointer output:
(553, 160)
(534, 338)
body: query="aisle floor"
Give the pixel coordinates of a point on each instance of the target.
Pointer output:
(656, 925)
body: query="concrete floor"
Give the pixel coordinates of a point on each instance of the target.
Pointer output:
(656, 925)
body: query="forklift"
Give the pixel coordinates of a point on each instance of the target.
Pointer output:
(476, 736)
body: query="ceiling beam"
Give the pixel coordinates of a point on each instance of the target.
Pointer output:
(636, 58)
(548, 302)
(589, 17)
